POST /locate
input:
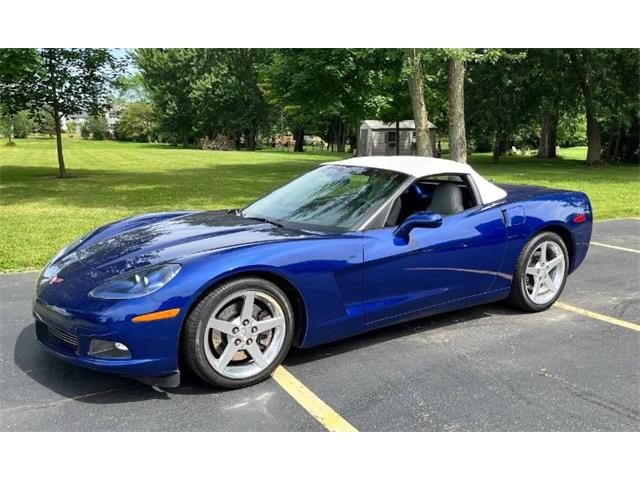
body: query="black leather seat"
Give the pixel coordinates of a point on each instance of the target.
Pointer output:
(447, 199)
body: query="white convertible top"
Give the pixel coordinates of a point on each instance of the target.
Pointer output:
(419, 167)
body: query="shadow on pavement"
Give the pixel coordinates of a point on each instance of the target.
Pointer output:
(86, 385)
(93, 387)
(398, 331)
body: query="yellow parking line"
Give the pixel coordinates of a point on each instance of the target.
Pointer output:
(615, 247)
(311, 403)
(599, 316)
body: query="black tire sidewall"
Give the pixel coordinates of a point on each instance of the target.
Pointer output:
(193, 341)
(521, 298)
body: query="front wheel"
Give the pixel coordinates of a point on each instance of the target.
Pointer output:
(541, 273)
(239, 333)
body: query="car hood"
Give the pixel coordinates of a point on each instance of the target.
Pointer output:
(171, 239)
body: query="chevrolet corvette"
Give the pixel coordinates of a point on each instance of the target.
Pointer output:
(348, 247)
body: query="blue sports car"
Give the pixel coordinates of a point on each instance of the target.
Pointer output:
(348, 247)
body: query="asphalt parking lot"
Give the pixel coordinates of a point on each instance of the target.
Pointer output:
(575, 367)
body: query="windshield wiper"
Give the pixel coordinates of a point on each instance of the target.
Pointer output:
(265, 220)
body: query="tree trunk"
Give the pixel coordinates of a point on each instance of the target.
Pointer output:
(397, 137)
(299, 139)
(594, 143)
(457, 129)
(548, 133)
(250, 139)
(499, 145)
(338, 134)
(496, 150)
(616, 150)
(609, 152)
(416, 89)
(62, 168)
(10, 142)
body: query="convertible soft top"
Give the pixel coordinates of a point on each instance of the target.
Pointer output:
(419, 167)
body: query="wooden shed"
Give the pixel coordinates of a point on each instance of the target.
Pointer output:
(379, 138)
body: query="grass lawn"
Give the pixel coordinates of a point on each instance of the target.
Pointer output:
(40, 213)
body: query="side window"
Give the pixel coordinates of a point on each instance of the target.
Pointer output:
(391, 138)
(444, 194)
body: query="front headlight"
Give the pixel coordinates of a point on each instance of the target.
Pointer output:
(137, 284)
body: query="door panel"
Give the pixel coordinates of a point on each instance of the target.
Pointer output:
(459, 259)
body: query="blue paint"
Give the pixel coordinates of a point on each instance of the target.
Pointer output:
(349, 282)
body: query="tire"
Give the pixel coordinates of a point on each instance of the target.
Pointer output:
(530, 270)
(244, 351)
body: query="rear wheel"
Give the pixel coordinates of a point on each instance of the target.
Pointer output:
(541, 273)
(239, 333)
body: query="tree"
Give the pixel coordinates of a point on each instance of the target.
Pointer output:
(131, 88)
(58, 81)
(416, 89)
(325, 91)
(205, 92)
(498, 108)
(136, 123)
(457, 125)
(609, 81)
(6, 128)
(85, 132)
(23, 124)
(581, 60)
(97, 126)
(392, 99)
(44, 123)
(551, 92)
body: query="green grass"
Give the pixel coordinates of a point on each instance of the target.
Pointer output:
(110, 180)
(614, 190)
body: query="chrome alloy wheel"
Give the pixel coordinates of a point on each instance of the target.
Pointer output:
(545, 272)
(244, 334)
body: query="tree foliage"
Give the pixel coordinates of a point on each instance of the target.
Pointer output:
(59, 81)
(204, 92)
(97, 126)
(136, 123)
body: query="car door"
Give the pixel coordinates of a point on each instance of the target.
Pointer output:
(457, 260)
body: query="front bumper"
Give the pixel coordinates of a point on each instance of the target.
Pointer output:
(153, 346)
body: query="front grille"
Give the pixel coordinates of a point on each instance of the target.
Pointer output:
(68, 339)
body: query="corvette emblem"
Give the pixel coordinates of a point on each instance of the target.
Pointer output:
(56, 280)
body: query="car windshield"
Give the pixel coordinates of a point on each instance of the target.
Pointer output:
(332, 197)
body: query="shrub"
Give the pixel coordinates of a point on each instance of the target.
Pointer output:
(136, 123)
(97, 126)
(23, 125)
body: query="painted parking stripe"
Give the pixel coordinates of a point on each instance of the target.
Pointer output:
(615, 247)
(598, 316)
(322, 412)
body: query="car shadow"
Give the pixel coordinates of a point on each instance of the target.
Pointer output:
(399, 330)
(88, 386)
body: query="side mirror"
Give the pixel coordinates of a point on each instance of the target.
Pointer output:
(417, 220)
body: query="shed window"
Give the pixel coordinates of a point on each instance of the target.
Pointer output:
(391, 138)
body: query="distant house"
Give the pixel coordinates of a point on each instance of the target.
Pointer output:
(379, 138)
(77, 119)
(112, 116)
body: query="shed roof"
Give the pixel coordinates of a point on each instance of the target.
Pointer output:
(404, 125)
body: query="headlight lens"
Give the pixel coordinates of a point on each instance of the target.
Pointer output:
(137, 284)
